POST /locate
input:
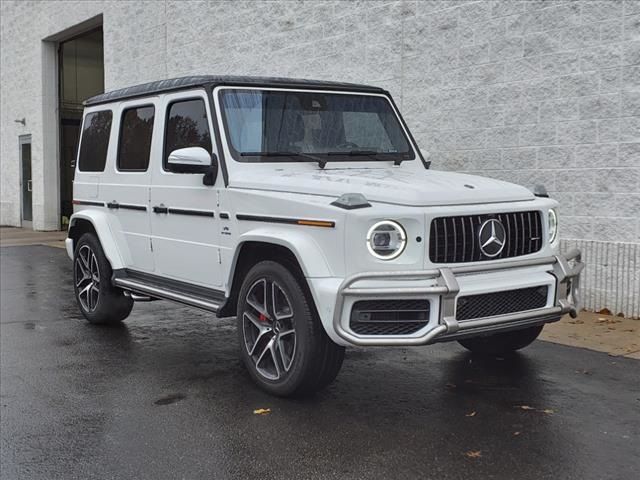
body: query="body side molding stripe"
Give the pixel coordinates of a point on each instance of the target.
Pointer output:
(87, 202)
(187, 211)
(126, 206)
(290, 221)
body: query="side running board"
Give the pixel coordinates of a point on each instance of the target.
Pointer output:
(146, 284)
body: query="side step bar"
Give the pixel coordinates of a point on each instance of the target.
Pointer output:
(157, 287)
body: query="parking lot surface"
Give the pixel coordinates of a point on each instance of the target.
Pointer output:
(165, 396)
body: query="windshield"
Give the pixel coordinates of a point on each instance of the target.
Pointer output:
(281, 126)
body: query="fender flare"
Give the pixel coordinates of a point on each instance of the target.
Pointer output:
(100, 223)
(310, 257)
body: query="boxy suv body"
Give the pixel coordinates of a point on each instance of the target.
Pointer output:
(305, 209)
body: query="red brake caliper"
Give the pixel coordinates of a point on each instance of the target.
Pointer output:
(263, 318)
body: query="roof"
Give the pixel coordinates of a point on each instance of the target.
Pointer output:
(182, 83)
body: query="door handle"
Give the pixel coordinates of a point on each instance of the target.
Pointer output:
(160, 209)
(29, 185)
(113, 204)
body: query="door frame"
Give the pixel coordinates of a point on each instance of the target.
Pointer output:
(24, 140)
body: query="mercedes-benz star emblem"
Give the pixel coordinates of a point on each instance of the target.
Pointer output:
(492, 237)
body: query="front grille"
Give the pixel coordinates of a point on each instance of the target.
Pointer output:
(501, 303)
(389, 317)
(455, 239)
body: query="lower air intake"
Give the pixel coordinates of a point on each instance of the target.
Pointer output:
(389, 317)
(501, 303)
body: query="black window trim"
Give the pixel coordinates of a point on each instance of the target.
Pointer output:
(165, 157)
(84, 119)
(235, 155)
(126, 108)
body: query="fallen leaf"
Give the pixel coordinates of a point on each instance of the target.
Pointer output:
(548, 411)
(262, 411)
(473, 454)
(515, 434)
(607, 321)
(576, 322)
(525, 407)
(472, 414)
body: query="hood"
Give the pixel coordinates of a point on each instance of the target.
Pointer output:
(388, 185)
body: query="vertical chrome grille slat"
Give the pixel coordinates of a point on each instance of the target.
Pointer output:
(464, 240)
(453, 239)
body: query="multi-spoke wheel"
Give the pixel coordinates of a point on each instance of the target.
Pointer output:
(87, 278)
(268, 329)
(99, 301)
(282, 341)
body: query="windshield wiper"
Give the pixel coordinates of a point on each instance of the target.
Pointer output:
(365, 153)
(321, 161)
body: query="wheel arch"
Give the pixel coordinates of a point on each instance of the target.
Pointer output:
(256, 248)
(96, 223)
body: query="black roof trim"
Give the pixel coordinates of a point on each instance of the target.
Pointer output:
(182, 83)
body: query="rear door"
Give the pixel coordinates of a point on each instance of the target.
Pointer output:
(125, 185)
(184, 220)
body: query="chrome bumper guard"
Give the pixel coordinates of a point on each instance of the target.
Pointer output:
(566, 268)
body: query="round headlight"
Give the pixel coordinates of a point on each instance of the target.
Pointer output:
(386, 240)
(553, 225)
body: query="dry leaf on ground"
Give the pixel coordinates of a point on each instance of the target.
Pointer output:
(473, 454)
(472, 414)
(262, 411)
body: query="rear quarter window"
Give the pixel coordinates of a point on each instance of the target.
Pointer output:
(134, 147)
(94, 142)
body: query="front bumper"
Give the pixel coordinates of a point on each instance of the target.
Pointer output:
(446, 285)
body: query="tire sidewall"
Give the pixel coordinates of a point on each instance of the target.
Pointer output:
(95, 316)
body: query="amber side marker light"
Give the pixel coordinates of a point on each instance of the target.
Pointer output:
(316, 223)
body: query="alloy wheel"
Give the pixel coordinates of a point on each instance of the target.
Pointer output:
(87, 278)
(269, 329)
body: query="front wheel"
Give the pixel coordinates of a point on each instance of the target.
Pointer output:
(282, 342)
(502, 343)
(99, 301)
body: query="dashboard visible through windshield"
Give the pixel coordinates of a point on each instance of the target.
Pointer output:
(296, 126)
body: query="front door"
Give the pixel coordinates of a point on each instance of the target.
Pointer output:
(27, 184)
(184, 217)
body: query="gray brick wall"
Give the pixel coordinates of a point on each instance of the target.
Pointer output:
(526, 91)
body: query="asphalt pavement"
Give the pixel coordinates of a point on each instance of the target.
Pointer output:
(166, 397)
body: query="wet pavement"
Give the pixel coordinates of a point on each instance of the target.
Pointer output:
(165, 396)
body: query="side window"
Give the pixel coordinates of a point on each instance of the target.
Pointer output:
(94, 141)
(187, 126)
(134, 145)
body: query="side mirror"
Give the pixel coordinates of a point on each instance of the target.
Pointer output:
(194, 160)
(189, 160)
(209, 178)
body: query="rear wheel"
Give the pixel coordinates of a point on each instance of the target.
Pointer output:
(502, 343)
(99, 301)
(282, 342)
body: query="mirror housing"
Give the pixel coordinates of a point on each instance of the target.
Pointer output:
(209, 178)
(189, 160)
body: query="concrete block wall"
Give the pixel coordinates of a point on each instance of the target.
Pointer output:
(538, 91)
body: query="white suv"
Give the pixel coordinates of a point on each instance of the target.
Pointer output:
(306, 209)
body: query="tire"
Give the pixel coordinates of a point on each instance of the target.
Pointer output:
(282, 342)
(99, 301)
(502, 343)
